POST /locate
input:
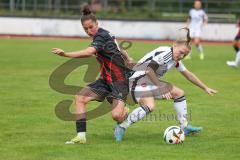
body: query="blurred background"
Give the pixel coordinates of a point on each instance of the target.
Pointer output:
(137, 19)
(29, 127)
(170, 10)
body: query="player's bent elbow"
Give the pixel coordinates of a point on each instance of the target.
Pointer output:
(90, 51)
(149, 71)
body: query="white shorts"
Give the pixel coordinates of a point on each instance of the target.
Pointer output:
(195, 32)
(141, 87)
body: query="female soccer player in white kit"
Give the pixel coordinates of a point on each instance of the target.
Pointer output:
(196, 20)
(145, 85)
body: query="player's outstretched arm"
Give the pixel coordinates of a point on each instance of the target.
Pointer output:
(152, 76)
(90, 51)
(195, 80)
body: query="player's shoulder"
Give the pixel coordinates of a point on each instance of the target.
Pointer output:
(163, 54)
(102, 34)
(202, 11)
(192, 10)
(102, 31)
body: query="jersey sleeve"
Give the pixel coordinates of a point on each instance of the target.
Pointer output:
(180, 67)
(190, 13)
(98, 43)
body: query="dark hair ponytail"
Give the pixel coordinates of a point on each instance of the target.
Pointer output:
(188, 35)
(86, 10)
(87, 14)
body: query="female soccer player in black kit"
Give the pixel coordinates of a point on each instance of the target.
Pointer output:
(112, 83)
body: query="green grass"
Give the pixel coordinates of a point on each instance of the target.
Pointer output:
(29, 128)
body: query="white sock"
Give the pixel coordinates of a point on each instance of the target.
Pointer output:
(237, 60)
(180, 106)
(200, 48)
(81, 134)
(136, 115)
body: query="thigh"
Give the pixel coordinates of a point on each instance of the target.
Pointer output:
(147, 101)
(192, 33)
(82, 98)
(87, 94)
(139, 88)
(144, 89)
(198, 33)
(176, 92)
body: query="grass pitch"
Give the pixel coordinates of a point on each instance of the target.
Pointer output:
(29, 128)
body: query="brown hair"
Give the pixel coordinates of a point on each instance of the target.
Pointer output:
(87, 14)
(185, 40)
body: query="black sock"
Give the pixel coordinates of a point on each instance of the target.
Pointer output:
(81, 125)
(236, 48)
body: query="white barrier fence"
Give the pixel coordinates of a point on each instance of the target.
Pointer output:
(122, 29)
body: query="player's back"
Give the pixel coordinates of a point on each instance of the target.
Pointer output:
(163, 53)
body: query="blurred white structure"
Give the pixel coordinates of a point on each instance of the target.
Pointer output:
(121, 29)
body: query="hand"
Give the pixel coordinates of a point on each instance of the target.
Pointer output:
(167, 96)
(211, 91)
(203, 25)
(58, 51)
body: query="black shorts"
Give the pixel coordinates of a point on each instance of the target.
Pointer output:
(116, 90)
(237, 38)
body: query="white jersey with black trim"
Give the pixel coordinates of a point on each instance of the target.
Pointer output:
(160, 59)
(197, 18)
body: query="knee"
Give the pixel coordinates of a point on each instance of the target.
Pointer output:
(177, 92)
(238, 45)
(117, 116)
(81, 99)
(235, 48)
(151, 108)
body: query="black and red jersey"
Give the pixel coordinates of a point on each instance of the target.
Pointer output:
(112, 63)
